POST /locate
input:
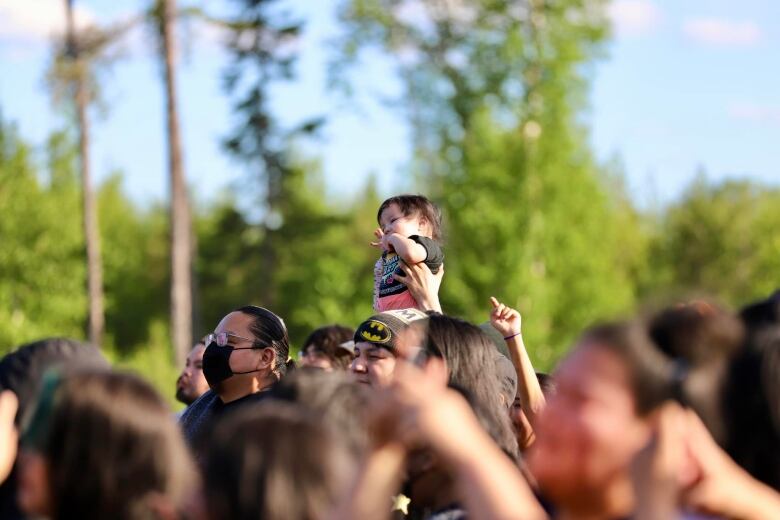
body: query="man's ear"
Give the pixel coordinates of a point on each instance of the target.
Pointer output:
(268, 357)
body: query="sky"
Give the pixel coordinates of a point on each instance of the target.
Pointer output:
(687, 85)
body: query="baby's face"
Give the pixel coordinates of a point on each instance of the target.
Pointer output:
(393, 220)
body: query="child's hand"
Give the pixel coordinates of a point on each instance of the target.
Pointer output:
(505, 320)
(380, 236)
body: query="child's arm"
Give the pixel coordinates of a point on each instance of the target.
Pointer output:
(410, 251)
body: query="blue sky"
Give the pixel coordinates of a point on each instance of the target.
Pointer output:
(687, 85)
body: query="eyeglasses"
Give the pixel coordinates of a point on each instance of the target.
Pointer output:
(221, 339)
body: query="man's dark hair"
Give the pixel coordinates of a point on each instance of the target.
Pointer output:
(411, 204)
(270, 331)
(327, 340)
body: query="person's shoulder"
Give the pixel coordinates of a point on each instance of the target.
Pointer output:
(202, 403)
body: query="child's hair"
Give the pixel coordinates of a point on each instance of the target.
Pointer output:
(410, 204)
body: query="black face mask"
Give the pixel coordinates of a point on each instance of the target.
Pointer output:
(216, 363)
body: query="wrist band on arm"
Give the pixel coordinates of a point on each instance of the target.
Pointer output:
(512, 336)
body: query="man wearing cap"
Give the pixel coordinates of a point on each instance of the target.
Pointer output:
(376, 340)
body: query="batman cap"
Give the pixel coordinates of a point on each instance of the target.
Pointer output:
(382, 329)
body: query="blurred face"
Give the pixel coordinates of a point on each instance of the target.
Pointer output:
(589, 430)
(372, 365)
(312, 357)
(191, 383)
(393, 220)
(523, 429)
(32, 491)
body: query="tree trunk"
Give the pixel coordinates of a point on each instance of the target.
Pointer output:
(91, 231)
(181, 240)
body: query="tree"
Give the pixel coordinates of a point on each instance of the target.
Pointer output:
(261, 50)
(41, 261)
(721, 240)
(494, 91)
(163, 14)
(73, 77)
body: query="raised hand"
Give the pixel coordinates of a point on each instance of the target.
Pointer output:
(379, 234)
(505, 320)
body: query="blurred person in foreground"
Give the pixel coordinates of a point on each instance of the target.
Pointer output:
(246, 354)
(726, 369)
(427, 441)
(328, 348)
(21, 373)
(191, 383)
(103, 445)
(275, 462)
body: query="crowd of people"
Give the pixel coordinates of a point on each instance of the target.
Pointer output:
(411, 414)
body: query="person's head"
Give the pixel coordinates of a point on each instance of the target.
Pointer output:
(323, 348)
(102, 445)
(751, 398)
(410, 215)
(331, 398)
(247, 352)
(191, 383)
(273, 462)
(375, 345)
(470, 359)
(524, 430)
(22, 370)
(701, 338)
(596, 421)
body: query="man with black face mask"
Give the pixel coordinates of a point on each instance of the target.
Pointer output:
(245, 355)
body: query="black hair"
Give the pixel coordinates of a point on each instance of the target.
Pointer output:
(327, 340)
(469, 355)
(411, 204)
(270, 331)
(699, 338)
(752, 394)
(547, 384)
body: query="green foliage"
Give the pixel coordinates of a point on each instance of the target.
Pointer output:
(325, 272)
(494, 91)
(154, 362)
(722, 240)
(135, 262)
(41, 267)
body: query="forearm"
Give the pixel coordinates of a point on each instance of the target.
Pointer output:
(531, 395)
(410, 251)
(754, 500)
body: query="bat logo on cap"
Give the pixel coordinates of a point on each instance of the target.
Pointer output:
(375, 332)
